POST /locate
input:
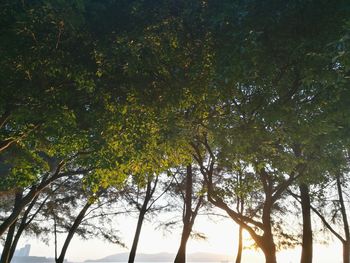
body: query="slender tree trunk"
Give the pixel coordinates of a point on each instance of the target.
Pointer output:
(16, 212)
(346, 244)
(306, 253)
(240, 208)
(72, 231)
(5, 256)
(143, 211)
(55, 236)
(240, 245)
(346, 252)
(136, 236)
(22, 226)
(25, 221)
(6, 252)
(15, 242)
(187, 214)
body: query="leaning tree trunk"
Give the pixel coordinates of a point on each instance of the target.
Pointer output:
(6, 252)
(187, 227)
(306, 252)
(346, 243)
(136, 237)
(16, 238)
(72, 231)
(143, 211)
(181, 253)
(22, 226)
(5, 256)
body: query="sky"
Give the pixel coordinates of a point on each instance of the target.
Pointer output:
(222, 236)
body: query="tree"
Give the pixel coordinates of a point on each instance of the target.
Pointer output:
(329, 209)
(143, 198)
(268, 192)
(277, 75)
(193, 200)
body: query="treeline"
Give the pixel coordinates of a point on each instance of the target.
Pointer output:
(239, 105)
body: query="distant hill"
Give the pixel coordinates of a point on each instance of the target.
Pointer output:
(164, 257)
(32, 259)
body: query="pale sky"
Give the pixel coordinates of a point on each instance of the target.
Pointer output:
(221, 239)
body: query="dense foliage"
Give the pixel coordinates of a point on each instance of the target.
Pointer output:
(251, 98)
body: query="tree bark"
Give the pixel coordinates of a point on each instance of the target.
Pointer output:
(268, 245)
(306, 252)
(240, 245)
(24, 223)
(240, 209)
(136, 236)
(187, 228)
(143, 211)
(5, 256)
(6, 252)
(72, 231)
(346, 243)
(16, 212)
(181, 253)
(55, 236)
(270, 254)
(346, 252)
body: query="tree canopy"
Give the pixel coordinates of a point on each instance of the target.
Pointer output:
(254, 95)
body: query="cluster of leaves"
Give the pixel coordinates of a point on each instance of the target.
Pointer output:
(126, 88)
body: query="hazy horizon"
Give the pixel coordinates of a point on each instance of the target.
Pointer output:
(220, 241)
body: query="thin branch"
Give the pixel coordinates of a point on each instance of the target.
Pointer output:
(155, 200)
(4, 118)
(323, 219)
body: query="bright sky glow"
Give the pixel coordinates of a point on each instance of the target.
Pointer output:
(221, 239)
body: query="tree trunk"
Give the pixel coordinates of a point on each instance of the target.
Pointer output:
(15, 242)
(72, 231)
(136, 236)
(269, 249)
(270, 257)
(55, 236)
(306, 253)
(240, 245)
(268, 245)
(143, 211)
(181, 253)
(22, 226)
(240, 208)
(16, 212)
(6, 252)
(5, 256)
(187, 217)
(346, 252)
